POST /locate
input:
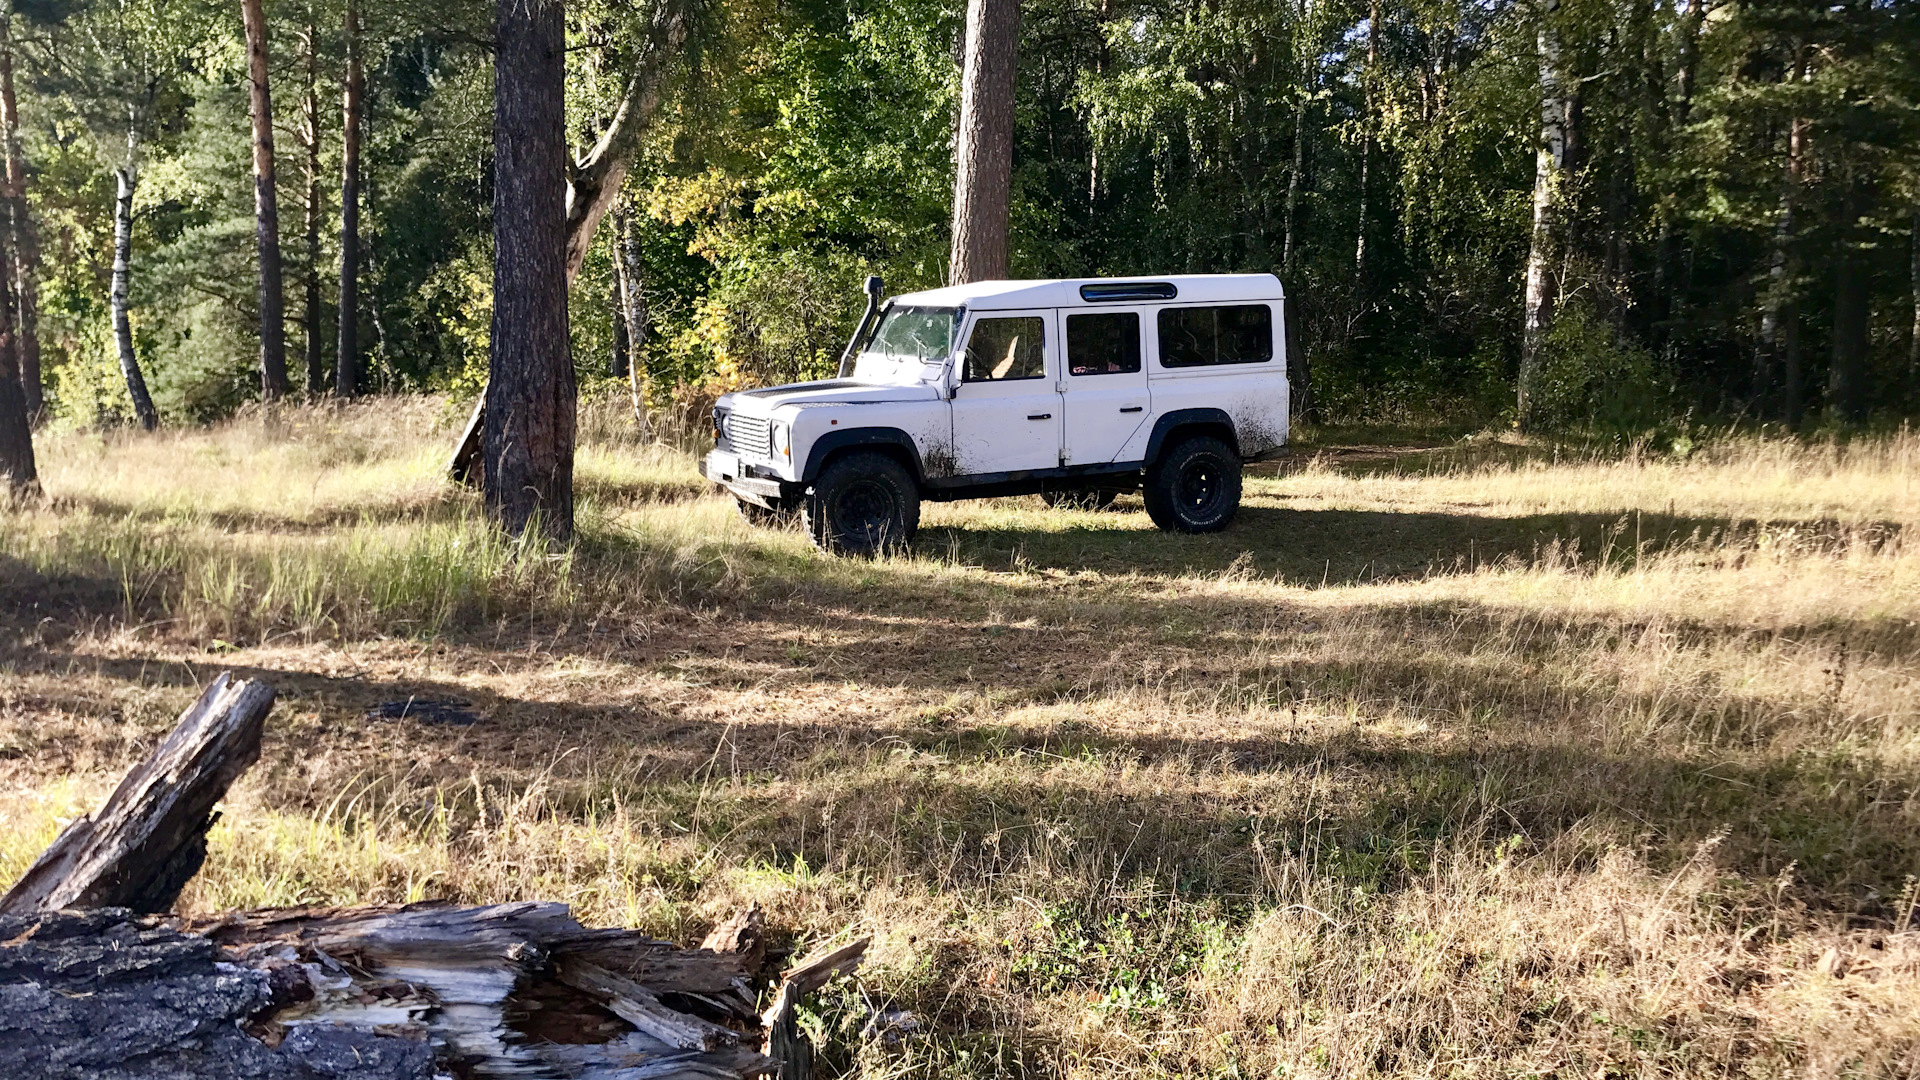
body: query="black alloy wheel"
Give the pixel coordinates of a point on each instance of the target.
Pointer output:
(863, 504)
(1195, 486)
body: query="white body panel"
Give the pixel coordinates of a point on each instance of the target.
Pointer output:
(1010, 425)
(1054, 424)
(1106, 404)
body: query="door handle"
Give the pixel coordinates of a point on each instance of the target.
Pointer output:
(1133, 408)
(1040, 416)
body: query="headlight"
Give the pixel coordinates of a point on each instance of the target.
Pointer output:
(780, 437)
(719, 424)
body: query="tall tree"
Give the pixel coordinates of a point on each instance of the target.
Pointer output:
(18, 474)
(346, 376)
(311, 313)
(632, 296)
(1913, 297)
(1552, 158)
(125, 181)
(266, 207)
(594, 181)
(25, 244)
(983, 163)
(1778, 346)
(528, 434)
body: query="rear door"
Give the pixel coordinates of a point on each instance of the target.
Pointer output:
(1106, 383)
(1007, 411)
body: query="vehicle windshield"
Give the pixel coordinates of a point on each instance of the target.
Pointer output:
(906, 342)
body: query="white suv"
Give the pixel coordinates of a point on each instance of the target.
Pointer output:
(1076, 390)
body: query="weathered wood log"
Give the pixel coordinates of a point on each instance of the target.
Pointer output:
(785, 1043)
(107, 994)
(512, 989)
(140, 849)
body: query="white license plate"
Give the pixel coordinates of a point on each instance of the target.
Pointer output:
(722, 464)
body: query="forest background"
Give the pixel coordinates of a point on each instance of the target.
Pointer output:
(1734, 187)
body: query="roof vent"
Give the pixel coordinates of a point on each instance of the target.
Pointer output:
(1108, 292)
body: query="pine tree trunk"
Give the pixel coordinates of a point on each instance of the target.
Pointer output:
(1549, 189)
(266, 209)
(26, 241)
(529, 426)
(346, 378)
(18, 473)
(117, 297)
(983, 166)
(1913, 335)
(1847, 397)
(312, 313)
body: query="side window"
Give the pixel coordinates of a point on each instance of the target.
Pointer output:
(1204, 336)
(1103, 344)
(1007, 349)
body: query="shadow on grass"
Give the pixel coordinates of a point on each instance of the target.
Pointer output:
(1350, 547)
(958, 798)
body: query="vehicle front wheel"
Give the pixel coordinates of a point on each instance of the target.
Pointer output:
(1083, 499)
(862, 504)
(1195, 486)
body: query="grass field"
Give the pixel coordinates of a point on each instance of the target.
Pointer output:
(1481, 759)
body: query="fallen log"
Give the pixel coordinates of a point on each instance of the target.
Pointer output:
(396, 992)
(141, 848)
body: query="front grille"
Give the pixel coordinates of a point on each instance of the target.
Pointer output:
(750, 436)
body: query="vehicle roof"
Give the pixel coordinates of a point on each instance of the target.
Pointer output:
(1065, 292)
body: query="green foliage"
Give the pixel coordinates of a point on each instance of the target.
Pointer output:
(1594, 377)
(1384, 172)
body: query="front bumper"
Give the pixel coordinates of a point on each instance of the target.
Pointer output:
(723, 467)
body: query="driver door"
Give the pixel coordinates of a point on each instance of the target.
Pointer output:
(1008, 414)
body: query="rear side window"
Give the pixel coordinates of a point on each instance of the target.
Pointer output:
(1205, 336)
(1103, 344)
(1006, 349)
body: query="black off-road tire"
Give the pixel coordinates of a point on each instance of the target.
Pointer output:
(760, 517)
(1082, 499)
(862, 504)
(1194, 487)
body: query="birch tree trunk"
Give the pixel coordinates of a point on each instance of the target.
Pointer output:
(1550, 180)
(266, 208)
(1779, 309)
(1366, 148)
(528, 439)
(124, 181)
(346, 378)
(1293, 184)
(311, 311)
(594, 182)
(26, 241)
(983, 172)
(633, 310)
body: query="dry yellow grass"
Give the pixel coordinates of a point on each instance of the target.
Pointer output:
(1467, 761)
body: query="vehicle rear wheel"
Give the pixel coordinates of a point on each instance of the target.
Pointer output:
(1195, 486)
(1083, 499)
(862, 504)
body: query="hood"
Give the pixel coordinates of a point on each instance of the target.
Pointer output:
(829, 392)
